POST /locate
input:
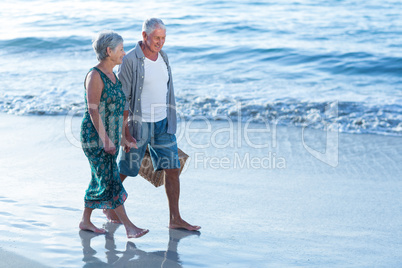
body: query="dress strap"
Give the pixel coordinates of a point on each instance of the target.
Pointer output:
(99, 71)
(104, 76)
(96, 68)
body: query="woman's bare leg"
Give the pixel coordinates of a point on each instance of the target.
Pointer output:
(86, 223)
(131, 230)
(110, 214)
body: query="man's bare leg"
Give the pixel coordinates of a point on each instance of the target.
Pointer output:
(122, 177)
(87, 225)
(131, 230)
(110, 214)
(172, 187)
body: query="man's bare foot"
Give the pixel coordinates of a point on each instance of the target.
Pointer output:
(88, 226)
(111, 216)
(135, 232)
(181, 224)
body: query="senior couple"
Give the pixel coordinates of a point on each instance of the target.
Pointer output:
(134, 109)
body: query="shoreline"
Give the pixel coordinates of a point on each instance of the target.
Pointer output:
(304, 210)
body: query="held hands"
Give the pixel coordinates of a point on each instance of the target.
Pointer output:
(109, 147)
(128, 142)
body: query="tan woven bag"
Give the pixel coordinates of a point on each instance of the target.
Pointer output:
(157, 178)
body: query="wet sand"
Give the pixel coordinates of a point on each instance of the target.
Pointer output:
(277, 196)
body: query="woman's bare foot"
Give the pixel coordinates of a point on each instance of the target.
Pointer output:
(88, 226)
(182, 224)
(135, 232)
(111, 216)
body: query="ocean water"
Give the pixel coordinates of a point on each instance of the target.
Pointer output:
(328, 64)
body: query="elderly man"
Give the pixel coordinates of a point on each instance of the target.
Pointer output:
(150, 111)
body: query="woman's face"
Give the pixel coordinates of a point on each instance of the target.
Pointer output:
(117, 54)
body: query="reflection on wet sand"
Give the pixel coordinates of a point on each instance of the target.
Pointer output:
(132, 256)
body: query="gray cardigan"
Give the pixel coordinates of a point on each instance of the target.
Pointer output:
(131, 74)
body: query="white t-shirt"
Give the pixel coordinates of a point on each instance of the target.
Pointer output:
(153, 96)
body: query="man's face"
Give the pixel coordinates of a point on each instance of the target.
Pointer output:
(155, 40)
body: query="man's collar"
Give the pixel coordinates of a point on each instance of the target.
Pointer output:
(138, 50)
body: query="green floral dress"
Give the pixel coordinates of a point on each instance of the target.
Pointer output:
(105, 189)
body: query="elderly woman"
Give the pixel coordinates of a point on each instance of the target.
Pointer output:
(100, 134)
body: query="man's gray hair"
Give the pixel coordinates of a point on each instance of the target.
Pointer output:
(104, 40)
(152, 24)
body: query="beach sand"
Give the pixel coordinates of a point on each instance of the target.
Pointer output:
(265, 196)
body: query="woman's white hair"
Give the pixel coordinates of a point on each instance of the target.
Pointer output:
(104, 40)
